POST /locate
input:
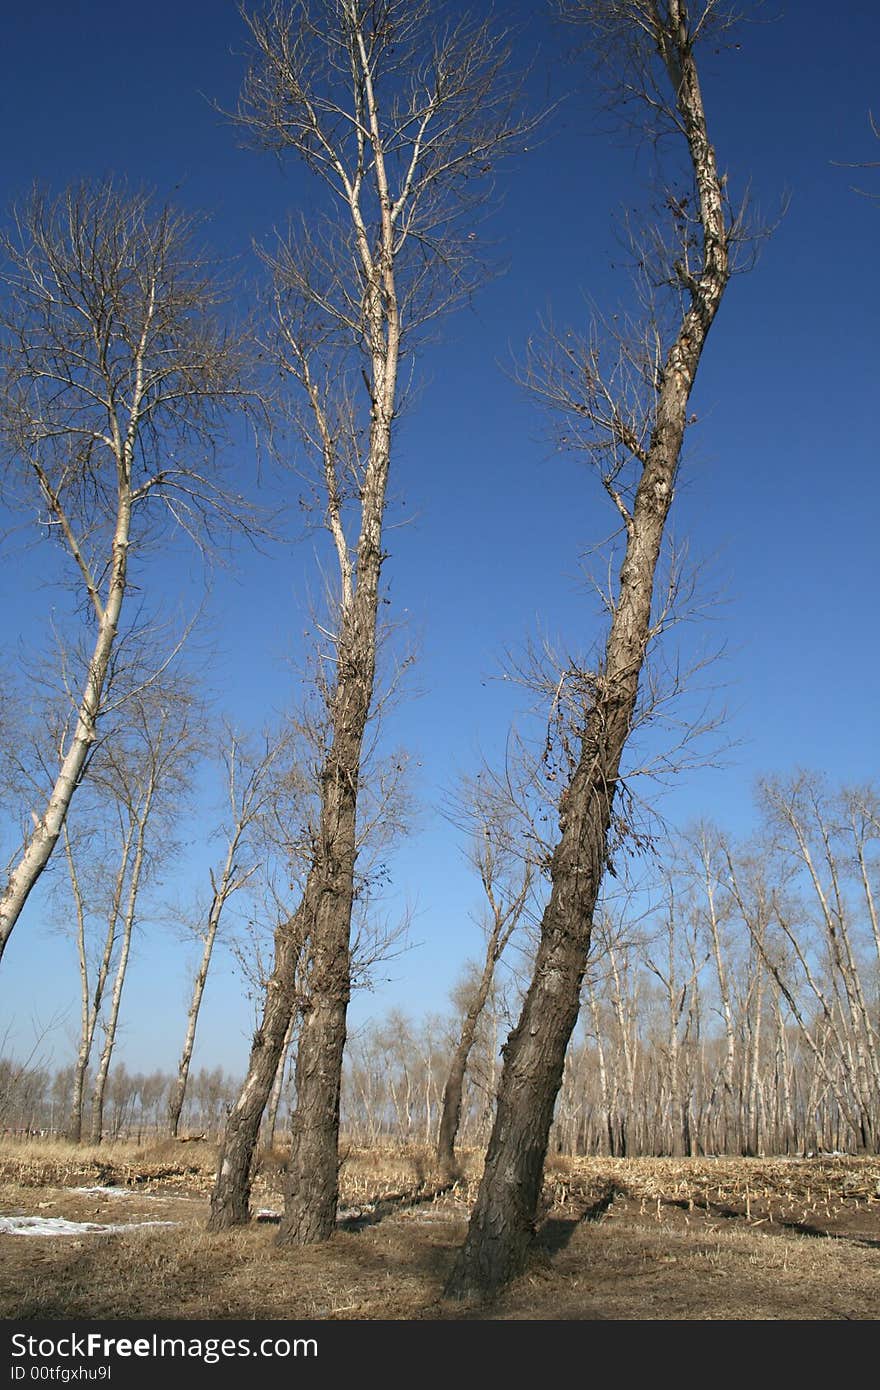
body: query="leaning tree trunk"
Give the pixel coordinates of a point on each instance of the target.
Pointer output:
(502, 1223)
(450, 1116)
(501, 1226)
(39, 848)
(230, 1200)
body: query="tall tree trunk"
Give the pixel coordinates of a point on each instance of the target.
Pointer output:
(607, 1126)
(501, 1226)
(325, 914)
(311, 1192)
(74, 1126)
(312, 1188)
(91, 1011)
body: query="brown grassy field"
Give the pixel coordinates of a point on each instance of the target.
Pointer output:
(619, 1239)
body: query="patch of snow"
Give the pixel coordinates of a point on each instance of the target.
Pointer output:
(57, 1226)
(105, 1191)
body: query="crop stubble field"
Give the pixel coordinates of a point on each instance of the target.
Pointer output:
(619, 1239)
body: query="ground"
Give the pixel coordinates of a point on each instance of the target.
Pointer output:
(619, 1239)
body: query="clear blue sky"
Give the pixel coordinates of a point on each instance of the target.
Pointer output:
(780, 488)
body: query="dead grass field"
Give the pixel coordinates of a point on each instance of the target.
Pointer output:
(619, 1239)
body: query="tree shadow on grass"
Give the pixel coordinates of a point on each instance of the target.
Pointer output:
(555, 1232)
(372, 1212)
(737, 1214)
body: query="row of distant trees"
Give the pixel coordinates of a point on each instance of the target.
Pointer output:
(736, 1014)
(731, 1006)
(739, 1015)
(35, 1100)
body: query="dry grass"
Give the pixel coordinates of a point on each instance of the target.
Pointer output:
(626, 1239)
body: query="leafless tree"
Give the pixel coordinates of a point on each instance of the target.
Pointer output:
(140, 784)
(507, 876)
(287, 830)
(249, 782)
(813, 828)
(631, 412)
(402, 114)
(116, 376)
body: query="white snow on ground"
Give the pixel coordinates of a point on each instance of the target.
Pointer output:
(107, 1191)
(57, 1226)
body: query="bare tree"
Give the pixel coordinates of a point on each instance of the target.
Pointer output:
(403, 117)
(813, 829)
(280, 979)
(507, 877)
(116, 372)
(632, 419)
(249, 788)
(144, 777)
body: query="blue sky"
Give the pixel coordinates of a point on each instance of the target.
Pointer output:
(780, 488)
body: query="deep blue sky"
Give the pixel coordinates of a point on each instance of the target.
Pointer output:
(780, 491)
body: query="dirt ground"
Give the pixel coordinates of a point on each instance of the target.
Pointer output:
(619, 1239)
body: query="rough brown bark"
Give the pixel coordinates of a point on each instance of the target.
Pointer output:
(312, 1175)
(230, 1200)
(501, 1227)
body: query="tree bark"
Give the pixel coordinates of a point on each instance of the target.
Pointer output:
(450, 1117)
(311, 1191)
(230, 1200)
(501, 1226)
